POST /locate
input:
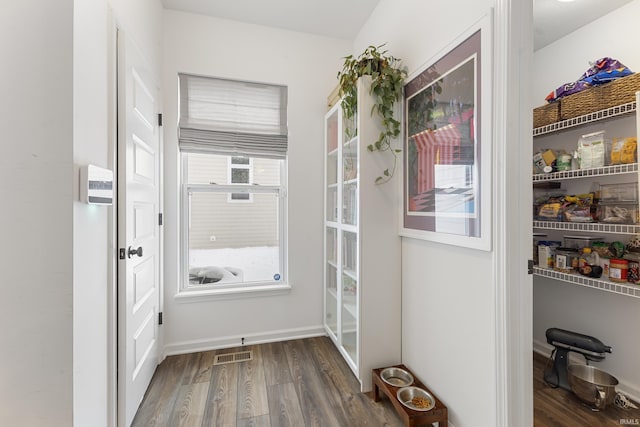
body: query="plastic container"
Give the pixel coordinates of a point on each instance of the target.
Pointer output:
(566, 260)
(618, 213)
(615, 193)
(618, 269)
(579, 242)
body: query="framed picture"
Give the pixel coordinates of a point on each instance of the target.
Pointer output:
(447, 144)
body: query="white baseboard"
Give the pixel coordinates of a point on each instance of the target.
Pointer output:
(631, 390)
(235, 341)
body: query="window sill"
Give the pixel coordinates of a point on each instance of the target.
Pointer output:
(192, 295)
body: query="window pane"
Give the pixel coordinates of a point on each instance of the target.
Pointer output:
(240, 160)
(266, 171)
(213, 169)
(239, 176)
(240, 196)
(233, 242)
(206, 169)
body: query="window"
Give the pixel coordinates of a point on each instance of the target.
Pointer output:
(233, 185)
(240, 172)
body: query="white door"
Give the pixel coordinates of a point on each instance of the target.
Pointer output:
(138, 228)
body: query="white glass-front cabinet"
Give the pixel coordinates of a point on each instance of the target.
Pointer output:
(362, 246)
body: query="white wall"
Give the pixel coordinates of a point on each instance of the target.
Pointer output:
(36, 216)
(448, 292)
(608, 317)
(565, 60)
(90, 223)
(93, 143)
(307, 64)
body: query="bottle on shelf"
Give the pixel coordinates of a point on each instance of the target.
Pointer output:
(589, 263)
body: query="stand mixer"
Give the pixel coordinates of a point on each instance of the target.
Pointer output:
(565, 341)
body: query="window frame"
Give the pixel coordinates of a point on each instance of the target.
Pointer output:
(230, 167)
(185, 291)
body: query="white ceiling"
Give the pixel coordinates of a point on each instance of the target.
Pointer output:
(343, 18)
(333, 18)
(554, 19)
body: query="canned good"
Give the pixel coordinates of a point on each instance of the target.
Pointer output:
(618, 269)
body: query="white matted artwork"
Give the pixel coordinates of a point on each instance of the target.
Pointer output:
(446, 165)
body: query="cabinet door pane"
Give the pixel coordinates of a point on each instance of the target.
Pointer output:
(349, 313)
(331, 297)
(350, 182)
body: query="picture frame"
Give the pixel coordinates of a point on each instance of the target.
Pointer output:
(446, 166)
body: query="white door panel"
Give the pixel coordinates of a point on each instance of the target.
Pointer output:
(138, 208)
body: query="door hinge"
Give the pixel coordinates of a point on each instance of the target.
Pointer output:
(159, 219)
(160, 318)
(122, 253)
(159, 119)
(529, 266)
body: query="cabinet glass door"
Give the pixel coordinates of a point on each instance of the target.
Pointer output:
(350, 182)
(332, 166)
(349, 312)
(331, 281)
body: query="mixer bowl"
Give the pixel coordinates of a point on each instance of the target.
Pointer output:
(593, 386)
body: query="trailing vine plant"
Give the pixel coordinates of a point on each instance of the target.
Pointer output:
(387, 79)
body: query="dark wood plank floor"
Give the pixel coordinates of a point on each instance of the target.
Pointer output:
(555, 407)
(306, 382)
(298, 383)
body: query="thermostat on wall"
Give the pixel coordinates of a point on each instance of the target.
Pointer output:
(96, 185)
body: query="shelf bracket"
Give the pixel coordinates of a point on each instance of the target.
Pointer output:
(529, 266)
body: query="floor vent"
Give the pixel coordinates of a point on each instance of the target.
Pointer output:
(241, 356)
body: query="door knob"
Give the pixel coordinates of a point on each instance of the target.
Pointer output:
(131, 251)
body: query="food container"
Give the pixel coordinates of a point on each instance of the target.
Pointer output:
(536, 238)
(579, 242)
(605, 264)
(633, 274)
(618, 269)
(618, 213)
(566, 260)
(615, 193)
(546, 253)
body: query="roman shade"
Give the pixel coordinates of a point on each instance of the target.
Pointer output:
(233, 118)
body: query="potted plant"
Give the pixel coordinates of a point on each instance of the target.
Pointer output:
(387, 79)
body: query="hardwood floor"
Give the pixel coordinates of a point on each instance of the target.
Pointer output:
(294, 383)
(303, 383)
(555, 407)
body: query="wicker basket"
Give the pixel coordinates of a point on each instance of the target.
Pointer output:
(546, 114)
(597, 98)
(333, 97)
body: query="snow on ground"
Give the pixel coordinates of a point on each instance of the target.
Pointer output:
(257, 263)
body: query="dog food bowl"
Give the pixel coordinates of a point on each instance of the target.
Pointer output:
(416, 398)
(396, 377)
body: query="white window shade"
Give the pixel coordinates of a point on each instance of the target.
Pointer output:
(229, 117)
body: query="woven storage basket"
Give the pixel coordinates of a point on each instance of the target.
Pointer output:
(597, 98)
(546, 114)
(333, 97)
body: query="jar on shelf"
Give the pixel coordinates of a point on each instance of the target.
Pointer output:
(618, 269)
(566, 260)
(633, 274)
